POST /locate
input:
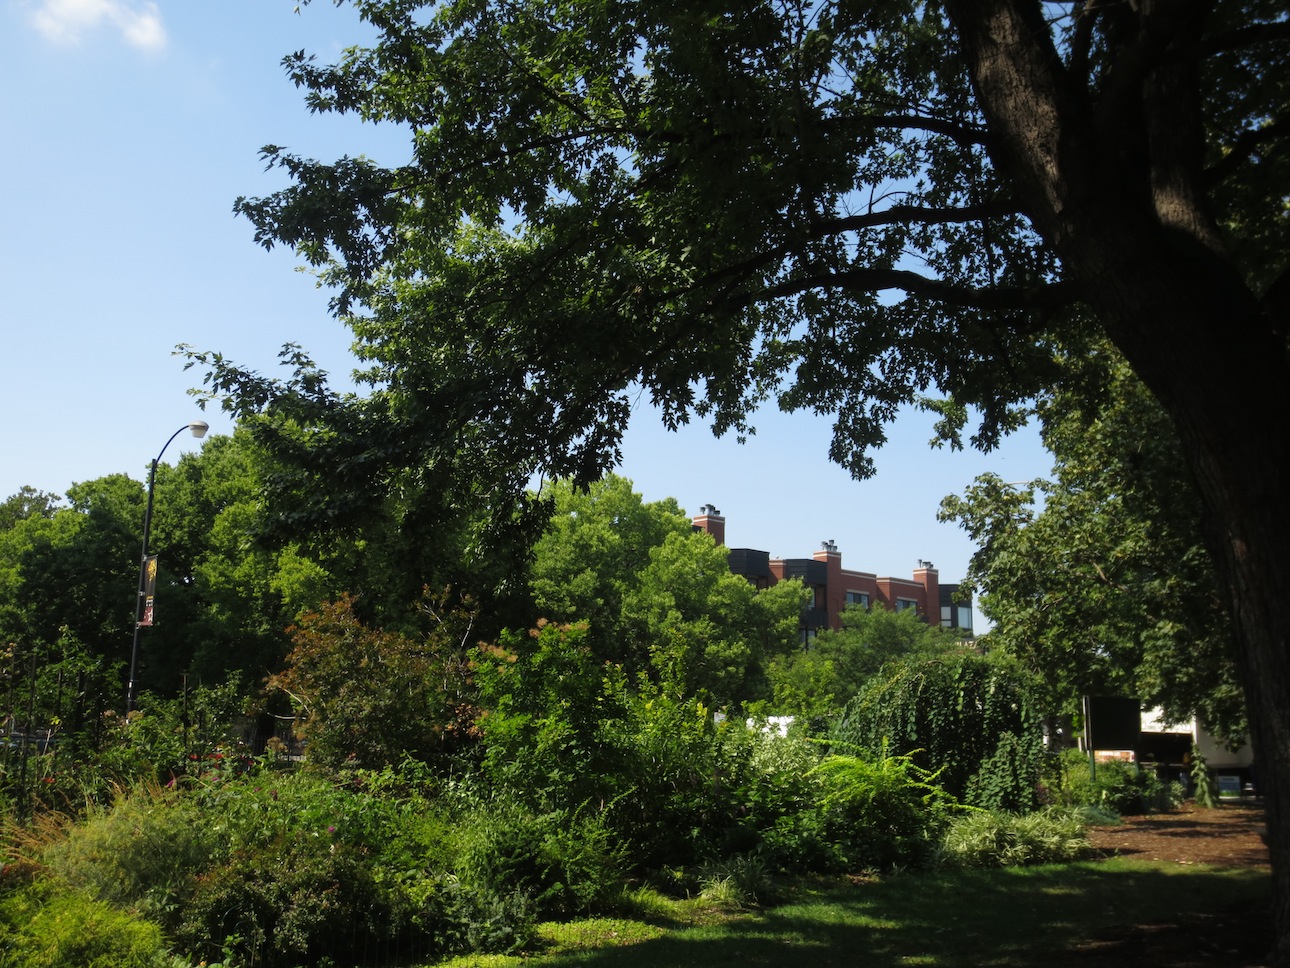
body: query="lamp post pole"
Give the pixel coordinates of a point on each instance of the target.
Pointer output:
(198, 429)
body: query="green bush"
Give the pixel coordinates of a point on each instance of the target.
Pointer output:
(1122, 788)
(296, 902)
(735, 882)
(776, 805)
(567, 862)
(144, 849)
(47, 926)
(984, 838)
(881, 812)
(973, 719)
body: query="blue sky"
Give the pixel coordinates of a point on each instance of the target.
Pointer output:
(130, 128)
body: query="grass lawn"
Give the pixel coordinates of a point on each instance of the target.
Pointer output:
(1008, 917)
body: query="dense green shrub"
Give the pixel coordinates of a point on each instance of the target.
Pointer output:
(548, 704)
(973, 719)
(295, 902)
(143, 849)
(47, 926)
(1123, 788)
(683, 783)
(566, 862)
(776, 806)
(987, 838)
(881, 812)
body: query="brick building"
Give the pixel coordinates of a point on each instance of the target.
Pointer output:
(835, 587)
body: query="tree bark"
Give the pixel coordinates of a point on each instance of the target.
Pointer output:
(1118, 195)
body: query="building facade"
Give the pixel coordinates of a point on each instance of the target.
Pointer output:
(834, 588)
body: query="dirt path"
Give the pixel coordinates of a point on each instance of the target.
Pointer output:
(1230, 835)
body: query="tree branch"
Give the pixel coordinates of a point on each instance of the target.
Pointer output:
(918, 215)
(1248, 36)
(1049, 296)
(1243, 148)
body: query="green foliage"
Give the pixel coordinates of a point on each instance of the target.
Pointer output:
(657, 597)
(820, 680)
(881, 811)
(698, 622)
(297, 901)
(1122, 788)
(565, 863)
(545, 698)
(989, 838)
(163, 739)
(696, 208)
(368, 698)
(974, 720)
(1204, 786)
(1098, 580)
(684, 778)
(591, 554)
(48, 927)
(144, 850)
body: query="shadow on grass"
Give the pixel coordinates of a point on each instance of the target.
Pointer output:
(1014, 917)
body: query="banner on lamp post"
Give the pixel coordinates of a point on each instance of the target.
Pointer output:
(148, 588)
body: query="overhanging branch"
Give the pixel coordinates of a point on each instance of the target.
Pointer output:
(1042, 297)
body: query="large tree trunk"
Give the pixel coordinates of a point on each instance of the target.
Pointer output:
(1119, 197)
(1193, 346)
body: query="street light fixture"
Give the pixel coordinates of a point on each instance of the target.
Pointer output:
(198, 429)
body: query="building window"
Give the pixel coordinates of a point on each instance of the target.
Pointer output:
(904, 603)
(957, 617)
(858, 599)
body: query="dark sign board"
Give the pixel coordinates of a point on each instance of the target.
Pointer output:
(1112, 722)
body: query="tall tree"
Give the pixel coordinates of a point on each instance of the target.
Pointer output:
(709, 204)
(1105, 587)
(657, 597)
(597, 543)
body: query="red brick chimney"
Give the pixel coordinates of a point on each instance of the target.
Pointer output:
(709, 520)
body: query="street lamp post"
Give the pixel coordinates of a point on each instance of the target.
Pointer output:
(198, 428)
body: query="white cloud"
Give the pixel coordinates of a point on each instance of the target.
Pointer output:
(67, 21)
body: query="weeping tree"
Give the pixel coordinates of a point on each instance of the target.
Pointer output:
(974, 721)
(833, 205)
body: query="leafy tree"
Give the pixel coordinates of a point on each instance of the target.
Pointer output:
(596, 545)
(1105, 587)
(383, 507)
(73, 570)
(974, 721)
(27, 503)
(656, 596)
(710, 205)
(708, 632)
(819, 680)
(369, 698)
(246, 588)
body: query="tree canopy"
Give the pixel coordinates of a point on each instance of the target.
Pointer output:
(820, 680)
(656, 597)
(1098, 579)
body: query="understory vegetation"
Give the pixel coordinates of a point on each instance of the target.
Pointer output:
(454, 779)
(239, 861)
